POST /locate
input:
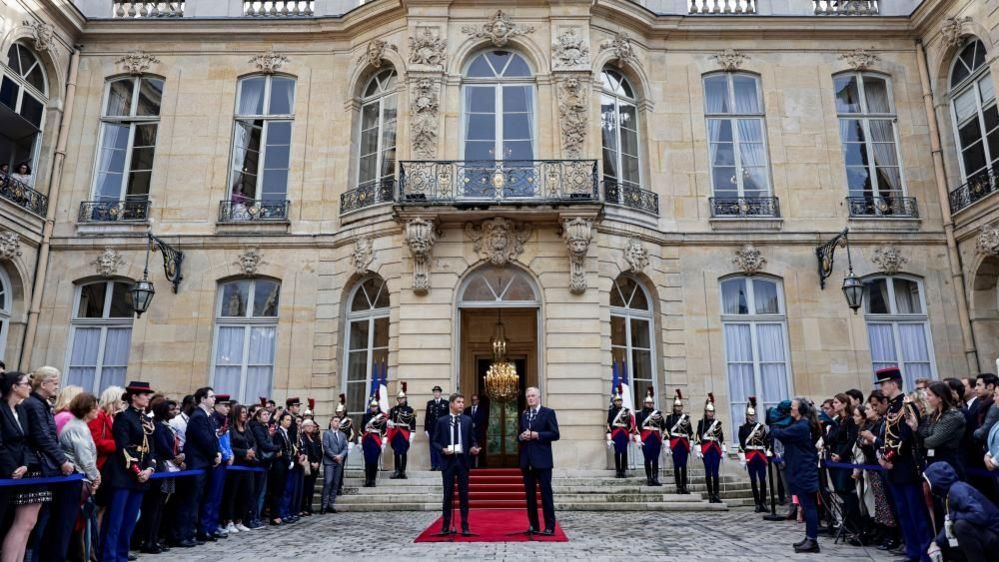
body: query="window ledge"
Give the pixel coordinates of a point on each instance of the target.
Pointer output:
(366, 212)
(615, 211)
(874, 224)
(746, 223)
(242, 228)
(111, 228)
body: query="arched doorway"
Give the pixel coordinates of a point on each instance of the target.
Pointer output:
(494, 300)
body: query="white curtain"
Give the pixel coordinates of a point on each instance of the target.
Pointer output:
(773, 363)
(83, 358)
(259, 372)
(282, 96)
(115, 364)
(987, 88)
(251, 96)
(876, 91)
(734, 296)
(915, 353)
(119, 98)
(112, 162)
(228, 359)
(885, 154)
(765, 297)
(746, 94)
(741, 383)
(882, 344)
(907, 297)
(716, 94)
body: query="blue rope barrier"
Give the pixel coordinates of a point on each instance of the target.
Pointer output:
(980, 472)
(240, 468)
(18, 482)
(178, 474)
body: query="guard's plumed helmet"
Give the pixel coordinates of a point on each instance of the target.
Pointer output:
(342, 406)
(650, 396)
(402, 390)
(373, 401)
(751, 407)
(678, 398)
(709, 404)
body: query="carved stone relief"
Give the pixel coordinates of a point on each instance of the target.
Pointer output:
(498, 240)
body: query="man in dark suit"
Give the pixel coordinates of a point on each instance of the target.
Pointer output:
(480, 419)
(538, 428)
(436, 408)
(455, 441)
(201, 451)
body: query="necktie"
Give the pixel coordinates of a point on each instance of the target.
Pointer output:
(454, 423)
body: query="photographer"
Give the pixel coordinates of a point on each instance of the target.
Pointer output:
(803, 466)
(971, 525)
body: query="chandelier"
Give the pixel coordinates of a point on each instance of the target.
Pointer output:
(502, 381)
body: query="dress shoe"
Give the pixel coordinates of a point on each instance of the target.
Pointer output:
(163, 547)
(322, 510)
(198, 542)
(332, 510)
(132, 557)
(207, 538)
(799, 543)
(395, 475)
(810, 545)
(151, 549)
(185, 544)
(220, 535)
(466, 533)
(548, 532)
(403, 476)
(655, 483)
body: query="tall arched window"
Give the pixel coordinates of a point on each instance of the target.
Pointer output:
(976, 118)
(129, 125)
(756, 355)
(246, 321)
(6, 304)
(261, 148)
(740, 172)
(870, 143)
(898, 327)
(367, 340)
(23, 94)
(632, 334)
(100, 336)
(619, 131)
(499, 108)
(376, 151)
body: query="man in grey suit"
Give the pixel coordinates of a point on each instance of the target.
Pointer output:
(334, 455)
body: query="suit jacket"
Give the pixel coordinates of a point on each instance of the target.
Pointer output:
(442, 440)
(479, 420)
(42, 436)
(334, 444)
(14, 448)
(201, 444)
(538, 453)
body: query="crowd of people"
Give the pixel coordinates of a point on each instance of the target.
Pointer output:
(93, 478)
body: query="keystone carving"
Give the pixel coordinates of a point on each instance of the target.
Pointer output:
(108, 262)
(636, 255)
(749, 259)
(499, 30)
(889, 259)
(137, 63)
(498, 240)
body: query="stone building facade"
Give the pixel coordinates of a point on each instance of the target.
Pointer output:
(640, 187)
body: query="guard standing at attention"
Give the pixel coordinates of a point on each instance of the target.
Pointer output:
(620, 428)
(712, 447)
(652, 428)
(436, 408)
(401, 424)
(373, 440)
(754, 439)
(681, 434)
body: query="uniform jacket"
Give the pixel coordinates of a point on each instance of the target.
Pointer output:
(537, 453)
(435, 409)
(129, 458)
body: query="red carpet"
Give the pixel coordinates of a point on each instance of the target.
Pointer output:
(495, 488)
(491, 525)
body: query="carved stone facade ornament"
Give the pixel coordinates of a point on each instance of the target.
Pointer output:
(427, 47)
(499, 30)
(137, 63)
(624, 52)
(41, 34)
(860, 59)
(108, 262)
(889, 259)
(636, 255)
(988, 241)
(730, 59)
(374, 54)
(363, 255)
(424, 122)
(952, 30)
(10, 245)
(577, 234)
(572, 107)
(269, 62)
(498, 240)
(749, 259)
(421, 235)
(249, 261)
(569, 51)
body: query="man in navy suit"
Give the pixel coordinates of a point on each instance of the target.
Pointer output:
(456, 443)
(201, 451)
(538, 428)
(480, 419)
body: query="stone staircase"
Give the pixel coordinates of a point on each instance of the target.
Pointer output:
(575, 490)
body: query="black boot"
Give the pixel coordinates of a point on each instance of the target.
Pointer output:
(648, 473)
(655, 474)
(763, 496)
(678, 479)
(756, 494)
(402, 471)
(684, 481)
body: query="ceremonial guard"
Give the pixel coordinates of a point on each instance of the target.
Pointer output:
(897, 458)
(652, 428)
(373, 441)
(436, 409)
(620, 428)
(401, 424)
(350, 434)
(127, 472)
(681, 434)
(754, 440)
(712, 447)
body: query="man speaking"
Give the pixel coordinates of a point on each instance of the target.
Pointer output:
(455, 441)
(538, 428)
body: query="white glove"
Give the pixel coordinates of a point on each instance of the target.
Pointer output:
(610, 443)
(742, 464)
(724, 449)
(698, 452)
(742, 458)
(411, 437)
(391, 423)
(427, 433)
(667, 450)
(350, 447)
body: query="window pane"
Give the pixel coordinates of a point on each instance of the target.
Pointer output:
(746, 94)
(8, 93)
(877, 296)
(111, 166)
(965, 105)
(381, 332)
(516, 98)
(265, 298)
(121, 302)
(716, 94)
(83, 357)
(723, 154)
(359, 334)
(516, 126)
(13, 61)
(229, 359)
(987, 89)
(150, 96)
(480, 68)
(251, 96)
(907, 297)
(92, 301)
(517, 67)
(235, 296)
(282, 96)
(640, 333)
(765, 297)
(882, 345)
(120, 98)
(876, 91)
(847, 95)
(32, 109)
(734, 297)
(720, 130)
(619, 336)
(481, 127)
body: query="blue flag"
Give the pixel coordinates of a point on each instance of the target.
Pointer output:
(615, 380)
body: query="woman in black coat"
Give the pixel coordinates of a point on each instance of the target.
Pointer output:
(279, 469)
(312, 447)
(17, 461)
(167, 456)
(238, 483)
(802, 460)
(266, 453)
(839, 447)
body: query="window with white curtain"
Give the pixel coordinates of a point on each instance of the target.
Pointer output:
(868, 135)
(6, 296)
(246, 321)
(632, 335)
(23, 94)
(736, 138)
(100, 336)
(756, 354)
(379, 110)
(261, 145)
(367, 339)
(619, 130)
(129, 124)
(898, 327)
(976, 117)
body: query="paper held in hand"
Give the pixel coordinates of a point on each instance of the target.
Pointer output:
(454, 449)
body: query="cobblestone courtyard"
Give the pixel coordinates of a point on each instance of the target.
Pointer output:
(735, 535)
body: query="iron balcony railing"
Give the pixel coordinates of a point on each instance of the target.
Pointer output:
(846, 7)
(883, 206)
(136, 210)
(446, 182)
(977, 187)
(368, 194)
(631, 196)
(253, 210)
(21, 195)
(740, 207)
